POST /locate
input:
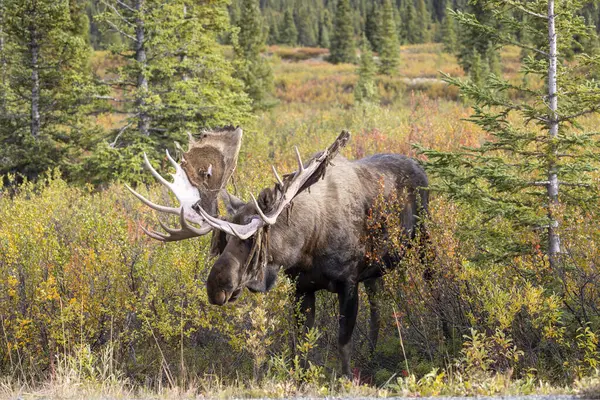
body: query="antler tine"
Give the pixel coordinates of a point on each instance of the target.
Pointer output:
(243, 232)
(300, 164)
(185, 225)
(279, 181)
(267, 220)
(173, 162)
(154, 235)
(156, 174)
(295, 185)
(154, 206)
(187, 194)
(187, 231)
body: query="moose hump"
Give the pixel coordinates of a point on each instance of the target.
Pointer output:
(211, 159)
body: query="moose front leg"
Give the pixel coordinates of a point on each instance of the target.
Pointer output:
(348, 298)
(305, 320)
(373, 287)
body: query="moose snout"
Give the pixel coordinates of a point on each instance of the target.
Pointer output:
(221, 285)
(218, 299)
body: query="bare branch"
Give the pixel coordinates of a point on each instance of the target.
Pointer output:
(123, 129)
(119, 14)
(116, 28)
(125, 5)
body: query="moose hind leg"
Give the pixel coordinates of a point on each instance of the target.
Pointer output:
(348, 298)
(373, 287)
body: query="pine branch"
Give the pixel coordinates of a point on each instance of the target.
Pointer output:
(579, 114)
(527, 11)
(125, 20)
(119, 30)
(124, 5)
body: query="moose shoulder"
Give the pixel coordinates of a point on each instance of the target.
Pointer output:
(313, 225)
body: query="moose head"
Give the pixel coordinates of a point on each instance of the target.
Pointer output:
(244, 258)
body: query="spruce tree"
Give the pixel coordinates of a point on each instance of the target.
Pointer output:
(342, 48)
(289, 32)
(173, 78)
(471, 42)
(307, 35)
(46, 85)
(325, 27)
(449, 35)
(389, 52)
(538, 165)
(422, 22)
(365, 90)
(373, 26)
(410, 26)
(254, 70)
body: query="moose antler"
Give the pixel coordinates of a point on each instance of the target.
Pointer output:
(187, 195)
(290, 187)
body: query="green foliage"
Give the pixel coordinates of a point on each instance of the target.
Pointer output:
(253, 69)
(342, 48)
(366, 88)
(422, 22)
(46, 87)
(410, 30)
(505, 177)
(373, 26)
(449, 35)
(389, 46)
(473, 42)
(162, 82)
(325, 27)
(289, 32)
(298, 369)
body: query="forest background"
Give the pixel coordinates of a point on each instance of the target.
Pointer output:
(89, 301)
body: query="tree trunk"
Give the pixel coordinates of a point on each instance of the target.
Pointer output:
(553, 202)
(34, 49)
(142, 81)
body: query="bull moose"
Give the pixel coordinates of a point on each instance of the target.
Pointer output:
(313, 225)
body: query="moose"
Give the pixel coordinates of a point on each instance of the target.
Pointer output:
(312, 225)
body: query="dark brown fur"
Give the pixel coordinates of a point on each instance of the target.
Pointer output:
(322, 242)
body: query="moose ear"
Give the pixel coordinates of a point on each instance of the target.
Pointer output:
(232, 203)
(217, 243)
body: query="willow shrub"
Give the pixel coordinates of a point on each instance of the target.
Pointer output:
(514, 317)
(77, 272)
(79, 281)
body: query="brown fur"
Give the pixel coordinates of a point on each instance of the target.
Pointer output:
(320, 240)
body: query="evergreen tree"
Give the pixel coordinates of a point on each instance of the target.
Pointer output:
(46, 85)
(307, 35)
(530, 174)
(422, 22)
(173, 78)
(325, 27)
(389, 53)
(373, 26)
(471, 40)
(449, 35)
(273, 29)
(342, 48)
(366, 87)
(255, 72)
(410, 27)
(289, 32)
